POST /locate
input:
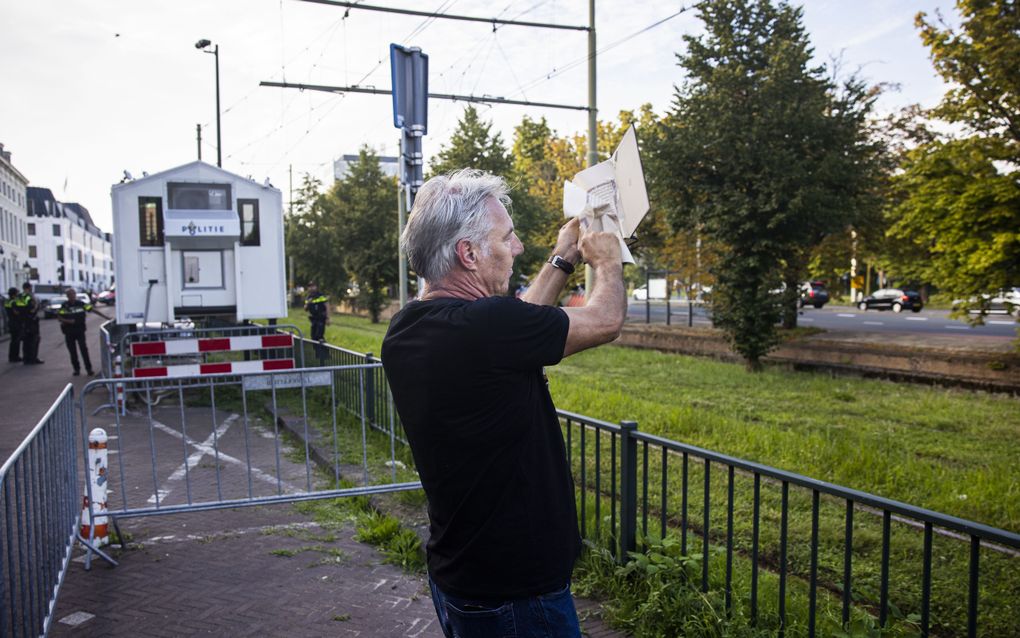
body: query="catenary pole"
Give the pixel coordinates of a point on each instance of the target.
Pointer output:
(593, 152)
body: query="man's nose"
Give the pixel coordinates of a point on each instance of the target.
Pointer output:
(518, 247)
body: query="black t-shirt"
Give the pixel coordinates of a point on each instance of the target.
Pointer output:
(468, 384)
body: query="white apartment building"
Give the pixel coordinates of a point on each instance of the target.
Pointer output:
(13, 224)
(65, 247)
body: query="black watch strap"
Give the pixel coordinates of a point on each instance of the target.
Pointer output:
(558, 262)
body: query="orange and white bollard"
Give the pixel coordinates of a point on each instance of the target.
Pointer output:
(98, 479)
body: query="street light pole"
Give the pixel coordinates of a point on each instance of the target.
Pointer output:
(201, 45)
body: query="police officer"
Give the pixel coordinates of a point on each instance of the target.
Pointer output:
(14, 325)
(317, 306)
(27, 308)
(72, 323)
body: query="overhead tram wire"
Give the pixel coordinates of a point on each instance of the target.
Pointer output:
(447, 16)
(557, 71)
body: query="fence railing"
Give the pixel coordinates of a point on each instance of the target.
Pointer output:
(380, 413)
(837, 546)
(40, 506)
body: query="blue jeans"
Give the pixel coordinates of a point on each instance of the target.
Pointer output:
(549, 615)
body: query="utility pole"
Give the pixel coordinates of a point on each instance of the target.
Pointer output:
(593, 148)
(201, 46)
(198, 130)
(219, 140)
(401, 220)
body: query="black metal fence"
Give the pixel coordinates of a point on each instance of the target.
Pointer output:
(826, 547)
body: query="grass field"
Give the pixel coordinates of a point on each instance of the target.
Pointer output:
(953, 451)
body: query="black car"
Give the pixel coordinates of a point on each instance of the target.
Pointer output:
(813, 293)
(892, 299)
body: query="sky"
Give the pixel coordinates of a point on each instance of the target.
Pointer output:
(91, 88)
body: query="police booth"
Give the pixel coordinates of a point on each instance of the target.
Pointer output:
(198, 241)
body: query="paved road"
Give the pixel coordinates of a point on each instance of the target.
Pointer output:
(844, 318)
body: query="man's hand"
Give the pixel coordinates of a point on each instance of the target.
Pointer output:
(600, 249)
(566, 241)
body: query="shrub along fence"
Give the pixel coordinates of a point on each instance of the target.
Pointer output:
(786, 551)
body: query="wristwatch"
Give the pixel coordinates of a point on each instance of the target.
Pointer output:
(558, 262)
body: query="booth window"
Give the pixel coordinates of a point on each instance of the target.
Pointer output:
(56, 230)
(248, 210)
(150, 221)
(194, 196)
(60, 253)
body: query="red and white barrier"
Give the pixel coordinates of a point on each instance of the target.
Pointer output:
(224, 367)
(96, 521)
(118, 388)
(211, 344)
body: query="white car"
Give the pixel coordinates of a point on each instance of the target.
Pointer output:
(1004, 302)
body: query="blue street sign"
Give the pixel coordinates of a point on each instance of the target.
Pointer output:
(409, 70)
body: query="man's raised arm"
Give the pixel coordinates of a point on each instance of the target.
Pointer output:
(600, 320)
(548, 285)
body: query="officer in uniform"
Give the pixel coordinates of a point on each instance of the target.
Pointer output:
(72, 323)
(27, 309)
(317, 306)
(13, 325)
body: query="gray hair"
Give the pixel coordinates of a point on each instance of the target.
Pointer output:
(449, 208)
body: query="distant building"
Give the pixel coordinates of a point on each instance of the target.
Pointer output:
(65, 247)
(390, 165)
(13, 224)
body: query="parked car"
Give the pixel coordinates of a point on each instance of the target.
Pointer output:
(51, 307)
(813, 293)
(108, 297)
(892, 299)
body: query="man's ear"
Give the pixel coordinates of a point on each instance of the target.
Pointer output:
(467, 254)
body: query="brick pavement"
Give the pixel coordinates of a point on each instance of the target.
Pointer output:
(261, 571)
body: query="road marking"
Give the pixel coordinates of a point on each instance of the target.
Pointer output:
(1001, 323)
(958, 327)
(843, 314)
(874, 323)
(208, 448)
(806, 319)
(916, 318)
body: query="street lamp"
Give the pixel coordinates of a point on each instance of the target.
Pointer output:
(201, 45)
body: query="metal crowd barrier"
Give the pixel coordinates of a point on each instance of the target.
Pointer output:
(233, 440)
(40, 506)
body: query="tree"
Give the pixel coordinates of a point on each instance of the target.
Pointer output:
(472, 145)
(312, 239)
(980, 62)
(761, 151)
(958, 195)
(362, 205)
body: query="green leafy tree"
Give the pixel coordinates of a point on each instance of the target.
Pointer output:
(472, 145)
(312, 239)
(362, 205)
(760, 152)
(957, 201)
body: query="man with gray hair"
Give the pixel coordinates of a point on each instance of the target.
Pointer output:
(465, 363)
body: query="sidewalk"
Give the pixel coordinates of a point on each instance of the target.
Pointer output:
(254, 571)
(26, 392)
